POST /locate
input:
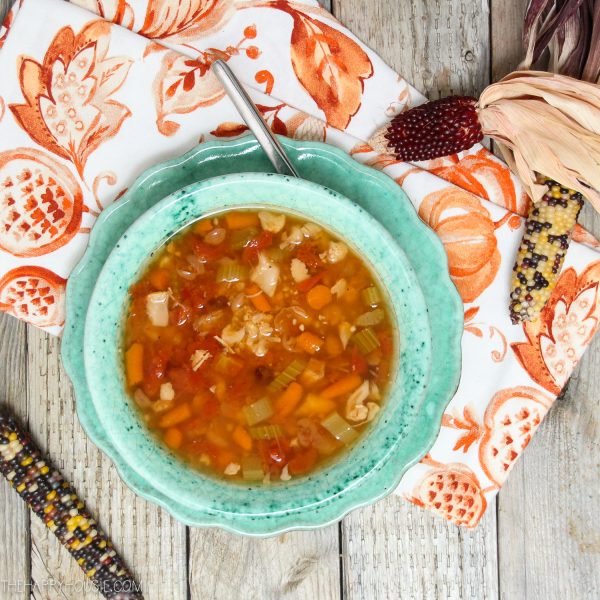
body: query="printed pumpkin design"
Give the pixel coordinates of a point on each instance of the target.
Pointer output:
(557, 340)
(468, 234)
(510, 420)
(33, 294)
(482, 175)
(40, 203)
(453, 492)
(67, 109)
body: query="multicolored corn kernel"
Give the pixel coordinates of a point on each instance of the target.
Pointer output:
(54, 501)
(548, 231)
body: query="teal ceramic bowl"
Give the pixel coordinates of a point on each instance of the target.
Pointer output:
(259, 508)
(410, 423)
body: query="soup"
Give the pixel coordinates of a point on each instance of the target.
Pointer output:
(257, 346)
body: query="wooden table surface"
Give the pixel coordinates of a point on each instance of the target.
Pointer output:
(541, 539)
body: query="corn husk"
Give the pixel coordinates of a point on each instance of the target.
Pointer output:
(564, 37)
(546, 123)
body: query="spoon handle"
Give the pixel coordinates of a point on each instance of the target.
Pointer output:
(55, 501)
(252, 117)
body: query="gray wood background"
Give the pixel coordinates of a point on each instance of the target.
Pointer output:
(540, 540)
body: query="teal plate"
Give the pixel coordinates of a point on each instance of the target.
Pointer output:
(379, 196)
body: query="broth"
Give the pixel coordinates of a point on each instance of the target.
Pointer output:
(257, 346)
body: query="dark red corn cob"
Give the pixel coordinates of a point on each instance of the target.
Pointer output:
(431, 130)
(54, 501)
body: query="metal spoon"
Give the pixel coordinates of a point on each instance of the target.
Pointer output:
(251, 115)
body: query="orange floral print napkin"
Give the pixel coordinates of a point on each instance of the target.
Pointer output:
(91, 95)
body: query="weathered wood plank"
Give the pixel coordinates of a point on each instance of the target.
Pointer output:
(396, 550)
(506, 35)
(548, 530)
(393, 549)
(14, 520)
(299, 565)
(152, 543)
(440, 46)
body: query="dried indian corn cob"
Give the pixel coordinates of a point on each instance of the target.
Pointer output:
(54, 501)
(543, 248)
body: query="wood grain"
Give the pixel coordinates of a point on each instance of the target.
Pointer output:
(440, 46)
(396, 550)
(151, 542)
(297, 565)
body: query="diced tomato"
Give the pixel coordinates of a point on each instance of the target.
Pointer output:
(359, 363)
(309, 255)
(197, 296)
(206, 251)
(198, 447)
(308, 284)
(155, 365)
(180, 315)
(207, 343)
(274, 452)
(303, 463)
(253, 247)
(185, 380)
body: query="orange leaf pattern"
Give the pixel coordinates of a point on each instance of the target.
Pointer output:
(557, 340)
(330, 66)
(117, 11)
(67, 109)
(94, 99)
(178, 21)
(181, 86)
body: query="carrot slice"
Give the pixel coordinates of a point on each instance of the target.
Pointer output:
(333, 345)
(242, 438)
(289, 399)
(173, 438)
(258, 298)
(315, 405)
(318, 297)
(241, 220)
(176, 415)
(203, 226)
(134, 363)
(342, 386)
(309, 342)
